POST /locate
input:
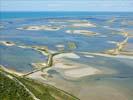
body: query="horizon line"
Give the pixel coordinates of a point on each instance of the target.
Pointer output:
(67, 11)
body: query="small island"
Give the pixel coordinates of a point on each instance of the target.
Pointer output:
(82, 32)
(7, 43)
(83, 24)
(41, 27)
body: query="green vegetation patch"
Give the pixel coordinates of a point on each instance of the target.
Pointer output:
(45, 91)
(11, 90)
(72, 45)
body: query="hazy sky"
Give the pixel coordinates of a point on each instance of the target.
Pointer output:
(66, 5)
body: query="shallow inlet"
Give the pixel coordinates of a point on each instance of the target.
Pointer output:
(115, 81)
(19, 59)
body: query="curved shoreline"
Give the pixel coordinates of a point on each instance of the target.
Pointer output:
(116, 52)
(44, 51)
(22, 82)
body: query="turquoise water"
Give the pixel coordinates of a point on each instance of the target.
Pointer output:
(105, 86)
(8, 15)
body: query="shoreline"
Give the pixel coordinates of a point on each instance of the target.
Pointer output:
(7, 43)
(72, 69)
(51, 61)
(40, 27)
(120, 45)
(11, 71)
(82, 32)
(22, 81)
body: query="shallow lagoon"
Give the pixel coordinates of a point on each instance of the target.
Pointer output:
(116, 81)
(19, 59)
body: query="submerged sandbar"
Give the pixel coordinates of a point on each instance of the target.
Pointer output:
(82, 32)
(41, 27)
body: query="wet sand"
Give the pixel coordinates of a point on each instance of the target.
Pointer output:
(41, 27)
(7, 43)
(82, 32)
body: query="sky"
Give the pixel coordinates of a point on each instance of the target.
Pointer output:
(67, 5)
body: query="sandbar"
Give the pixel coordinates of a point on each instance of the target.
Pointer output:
(82, 32)
(67, 55)
(11, 71)
(41, 27)
(7, 43)
(83, 24)
(81, 72)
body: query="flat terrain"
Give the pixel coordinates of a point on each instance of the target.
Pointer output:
(18, 88)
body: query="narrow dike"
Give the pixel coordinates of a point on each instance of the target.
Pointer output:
(120, 45)
(48, 64)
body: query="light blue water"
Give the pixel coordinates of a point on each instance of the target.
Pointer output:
(20, 59)
(8, 15)
(12, 20)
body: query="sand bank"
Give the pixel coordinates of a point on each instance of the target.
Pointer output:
(7, 43)
(11, 71)
(67, 55)
(107, 55)
(64, 65)
(38, 65)
(72, 69)
(41, 27)
(112, 42)
(81, 72)
(60, 46)
(82, 32)
(83, 24)
(38, 75)
(89, 56)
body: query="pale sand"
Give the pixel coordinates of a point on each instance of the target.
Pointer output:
(60, 62)
(37, 75)
(10, 71)
(24, 47)
(89, 56)
(64, 65)
(102, 36)
(41, 27)
(7, 43)
(128, 53)
(82, 24)
(75, 70)
(81, 72)
(107, 55)
(60, 46)
(112, 42)
(83, 32)
(72, 69)
(38, 65)
(67, 55)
